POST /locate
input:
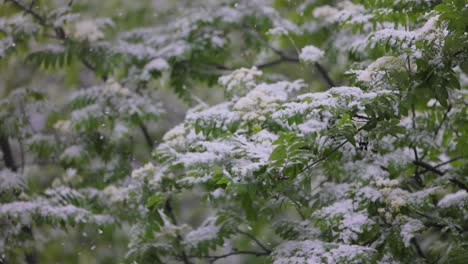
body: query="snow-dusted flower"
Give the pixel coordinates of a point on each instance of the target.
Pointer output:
(175, 137)
(409, 228)
(277, 31)
(70, 175)
(380, 67)
(240, 79)
(63, 126)
(311, 53)
(72, 152)
(207, 231)
(10, 180)
(325, 12)
(120, 131)
(87, 30)
(145, 172)
(116, 194)
(459, 198)
(158, 64)
(387, 182)
(113, 87)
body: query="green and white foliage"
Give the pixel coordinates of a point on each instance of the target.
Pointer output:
(374, 172)
(342, 135)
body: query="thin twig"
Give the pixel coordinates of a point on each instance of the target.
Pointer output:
(233, 253)
(260, 244)
(284, 58)
(324, 157)
(30, 11)
(443, 120)
(448, 161)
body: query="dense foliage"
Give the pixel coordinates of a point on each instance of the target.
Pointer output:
(342, 134)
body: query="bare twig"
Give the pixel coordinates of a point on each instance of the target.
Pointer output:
(448, 161)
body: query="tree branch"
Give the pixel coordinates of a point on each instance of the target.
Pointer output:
(325, 75)
(170, 212)
(255, 240)
(213, 259)
(147, 136)
(443, 120)
(324, 157)
(60, 33)
(284, 57)
(7, 153)
(29, 10)
(459, 183)
(427, 166)
(418, 248)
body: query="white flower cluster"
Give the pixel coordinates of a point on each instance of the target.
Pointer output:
(148, 171)
(240, 79)
(311, 54)
(459, 199)
(264, 98)
(207, 231)
(315, 251)
(409, 228)
(10, 180)
(277, 31)
(351, 224)
(87, 30)
(28, 210)
(116, 194)
(380, 67)
(175, 137)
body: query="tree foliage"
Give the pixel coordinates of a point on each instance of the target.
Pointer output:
(341, 137)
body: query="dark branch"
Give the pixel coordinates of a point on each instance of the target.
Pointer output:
(7, 153)
(443, 120)
(254, 239)
(448, 161)
(270, 63)
(325, 75)
(170, 212)
(29, 10)
(418, 248)
(59, 31)
(213, 259)
(147, 136)
(324, 157)
(428, 167)
(459, 183)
